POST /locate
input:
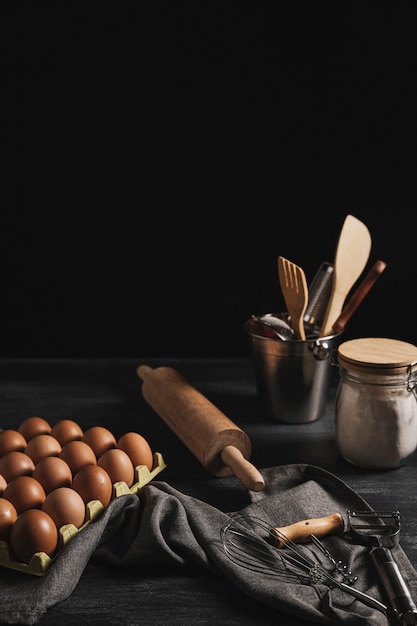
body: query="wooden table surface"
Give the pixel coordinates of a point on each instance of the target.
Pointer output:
(108, 392)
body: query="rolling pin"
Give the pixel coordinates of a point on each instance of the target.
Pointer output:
(220, 446)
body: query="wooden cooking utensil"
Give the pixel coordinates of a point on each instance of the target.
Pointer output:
(295, 291)
(220, 446)
(352, 254)
(358, 295)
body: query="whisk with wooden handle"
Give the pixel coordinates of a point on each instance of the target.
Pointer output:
(252, 543)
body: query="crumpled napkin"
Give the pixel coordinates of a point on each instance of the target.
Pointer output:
(161, 525)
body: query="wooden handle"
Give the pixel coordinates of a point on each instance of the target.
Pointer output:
(300, 532)
(248, 475)
(220, 446)
(358, 295)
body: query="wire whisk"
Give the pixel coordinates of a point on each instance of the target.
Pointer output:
(252, 543)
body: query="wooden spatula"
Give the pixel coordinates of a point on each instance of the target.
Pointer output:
(352, 254)
(294, 289)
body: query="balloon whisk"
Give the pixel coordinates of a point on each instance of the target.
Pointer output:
(253, 544)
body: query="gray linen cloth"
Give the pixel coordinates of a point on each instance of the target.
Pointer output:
(161, 525)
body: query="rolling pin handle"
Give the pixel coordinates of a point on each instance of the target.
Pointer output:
(143, 370)
(249, 476)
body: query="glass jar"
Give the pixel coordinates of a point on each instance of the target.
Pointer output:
(376, 402)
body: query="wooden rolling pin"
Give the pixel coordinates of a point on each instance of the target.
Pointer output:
(220, 446)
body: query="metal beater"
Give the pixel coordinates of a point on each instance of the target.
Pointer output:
(252, 543)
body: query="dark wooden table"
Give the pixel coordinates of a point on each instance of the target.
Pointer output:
(108, 392)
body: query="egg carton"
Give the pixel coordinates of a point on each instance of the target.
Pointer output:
(40, 561)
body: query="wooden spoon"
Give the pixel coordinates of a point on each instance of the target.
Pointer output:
(352, 254)
(294, 289)
(358, 295)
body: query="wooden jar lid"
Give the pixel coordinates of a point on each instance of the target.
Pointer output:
(380, 354)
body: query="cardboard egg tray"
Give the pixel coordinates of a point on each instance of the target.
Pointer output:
(40, 562)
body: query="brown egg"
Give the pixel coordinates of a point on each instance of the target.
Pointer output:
(41, 446)
(25, 492)
(15, 464)
(92, 482)
(3, 484)
(32, 426)
(8, 516)
(66, 430)
(11, 440)
(33, 531)
(65, 506)
(118, 466)
(99, 439)
(77, 454)
(53, 472)
(137, 448)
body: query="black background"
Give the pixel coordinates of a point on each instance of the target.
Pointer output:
(158, 157)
